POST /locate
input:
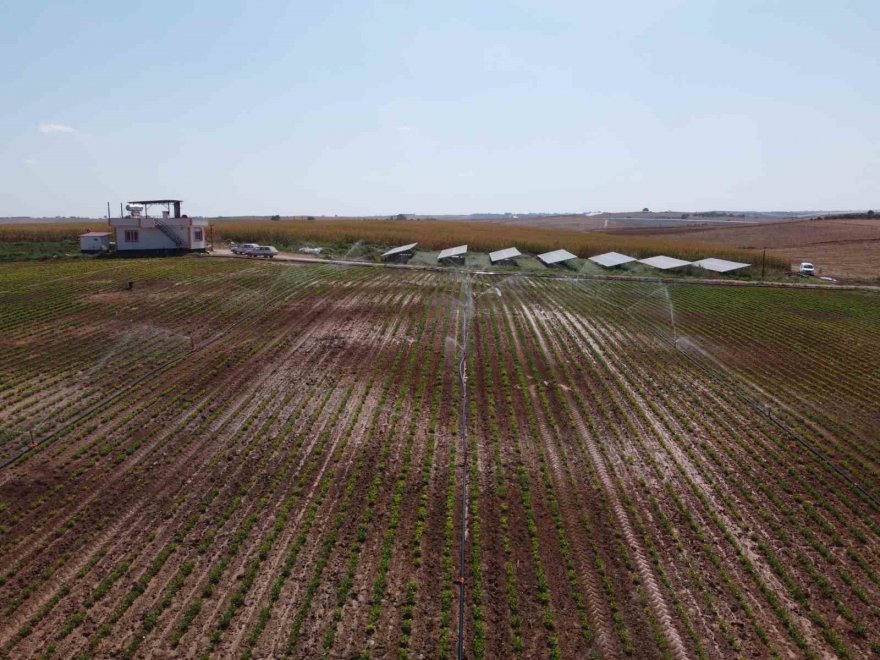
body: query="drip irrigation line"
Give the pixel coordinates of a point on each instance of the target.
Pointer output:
(462, 374)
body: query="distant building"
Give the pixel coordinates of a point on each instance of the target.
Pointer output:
(170, 232)
(94, 242)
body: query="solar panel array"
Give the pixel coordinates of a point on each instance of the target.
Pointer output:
(555, 257)
(608, 259)
(664, 263)
(452, 252)
(398, 250)
(501, 255)
(720, 265)
(611, 259)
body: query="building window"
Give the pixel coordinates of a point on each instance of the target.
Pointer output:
(197, 235)
(131, 236)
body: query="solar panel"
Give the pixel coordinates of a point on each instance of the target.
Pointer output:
(556, 256)
(611, 259)
(664, 263)
(452, 252)
(501, 255)
(720, 265)
(398, 250)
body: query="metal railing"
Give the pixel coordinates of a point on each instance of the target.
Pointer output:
(170, 233)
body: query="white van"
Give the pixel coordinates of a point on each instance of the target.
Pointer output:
(807, 269)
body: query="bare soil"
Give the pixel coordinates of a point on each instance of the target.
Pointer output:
(843, 248)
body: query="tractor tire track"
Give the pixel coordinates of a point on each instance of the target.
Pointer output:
(655, 594)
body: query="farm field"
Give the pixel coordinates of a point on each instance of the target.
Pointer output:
(367, 239)
(634, 222)
(847, 248)
(244, 459)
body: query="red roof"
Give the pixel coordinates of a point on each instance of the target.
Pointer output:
(95, 233)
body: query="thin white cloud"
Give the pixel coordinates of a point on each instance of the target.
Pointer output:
(465, 174)
(30, 161)
(55, 128)
(405, 129)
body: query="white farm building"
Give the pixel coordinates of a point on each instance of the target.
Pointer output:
(94, 242)
(139, 231)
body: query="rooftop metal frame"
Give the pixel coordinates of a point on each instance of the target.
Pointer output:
(167, 203)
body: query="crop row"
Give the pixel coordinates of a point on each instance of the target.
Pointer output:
(244, 426)
(659, 409)
(294, 486)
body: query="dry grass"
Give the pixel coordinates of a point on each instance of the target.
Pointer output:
(480, 237)
(37, 232)
(430, 235)
(772, 235)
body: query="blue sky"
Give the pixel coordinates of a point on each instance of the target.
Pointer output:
(439, 107)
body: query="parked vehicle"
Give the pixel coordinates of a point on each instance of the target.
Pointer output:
(243, 248)
(262, 251)
(807, 269)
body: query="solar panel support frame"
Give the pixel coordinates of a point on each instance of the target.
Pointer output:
(505, 255)
(556, 257)
(612, 259)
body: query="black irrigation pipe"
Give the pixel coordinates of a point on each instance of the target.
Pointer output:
(742, 393)
(463, 423)
(164, 366)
